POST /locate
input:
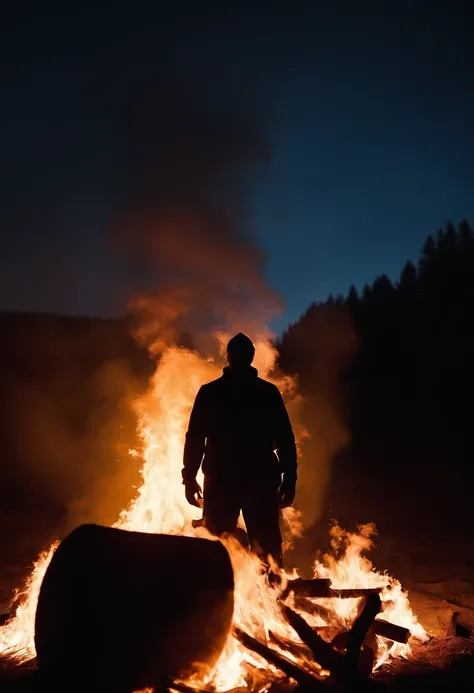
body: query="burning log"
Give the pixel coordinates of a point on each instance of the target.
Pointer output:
(323, 652)
(355, 593)
(295, 648)
(380, 627)
(384, 629)
(295, 672)
(358, 632)
(309, 588)
(314, 609)
(184, 688)
(127, 610)
(355, 661)
(321, 588)
(390, 631)
(367, 657)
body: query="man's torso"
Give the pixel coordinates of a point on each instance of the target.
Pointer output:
(240, 423)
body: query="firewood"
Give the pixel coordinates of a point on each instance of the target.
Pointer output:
(355, 593)
(339, 642)
(314, 609)
(282, 685)
(295, 648)
(292, 670)
(367, 658)
(323, 652)
(184, 688)
(365, 664)
(390, 631)
(329, 658)
(318, 587)
(321, 588)
(384, 629)
(359, 631)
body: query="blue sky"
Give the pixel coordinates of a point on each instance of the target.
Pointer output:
(368, 110)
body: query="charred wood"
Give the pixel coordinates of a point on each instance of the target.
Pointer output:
(323, 652)
(184, 688)
(309, 588)
(382, 628)
(355, 593)
(358, 633)
(390, 631)
(314, 609)
(292, 670)
(321, 588)
(367, 659)
(295, 648)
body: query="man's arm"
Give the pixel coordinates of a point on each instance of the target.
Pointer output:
(195, 440)
(286, 449)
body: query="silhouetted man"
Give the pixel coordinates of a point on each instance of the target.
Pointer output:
(237, 423)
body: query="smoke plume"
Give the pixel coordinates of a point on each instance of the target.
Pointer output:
(319, 347)
(185, 222)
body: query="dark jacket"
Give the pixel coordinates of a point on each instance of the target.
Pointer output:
(237, 423)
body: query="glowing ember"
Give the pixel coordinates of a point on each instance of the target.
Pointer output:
(160, 506)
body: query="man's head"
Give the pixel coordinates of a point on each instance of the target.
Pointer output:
(240, 352)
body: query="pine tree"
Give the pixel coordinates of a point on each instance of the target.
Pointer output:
(440, 239)
(465, 233)
(382, 288)
(353, 295)
(408, 278)
(450, 235)
(428, 253)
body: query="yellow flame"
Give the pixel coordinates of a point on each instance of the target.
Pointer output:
(160, 506)
(17, 635)
(352, 569)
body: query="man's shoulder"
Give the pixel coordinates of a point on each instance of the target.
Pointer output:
(215, 386)
(267, 387)
(212, 385)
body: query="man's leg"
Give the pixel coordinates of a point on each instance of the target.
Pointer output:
(221, 507)
(262, 518)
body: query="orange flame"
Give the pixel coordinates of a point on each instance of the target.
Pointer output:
(160, 506)
(356, 571)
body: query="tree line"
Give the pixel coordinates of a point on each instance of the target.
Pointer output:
(401, 377)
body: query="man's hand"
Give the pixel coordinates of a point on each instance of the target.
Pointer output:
(287, 492)
(193, 493)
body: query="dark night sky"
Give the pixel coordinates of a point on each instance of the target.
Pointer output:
(367, 106)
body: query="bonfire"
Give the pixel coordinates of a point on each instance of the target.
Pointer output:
(294, 629)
